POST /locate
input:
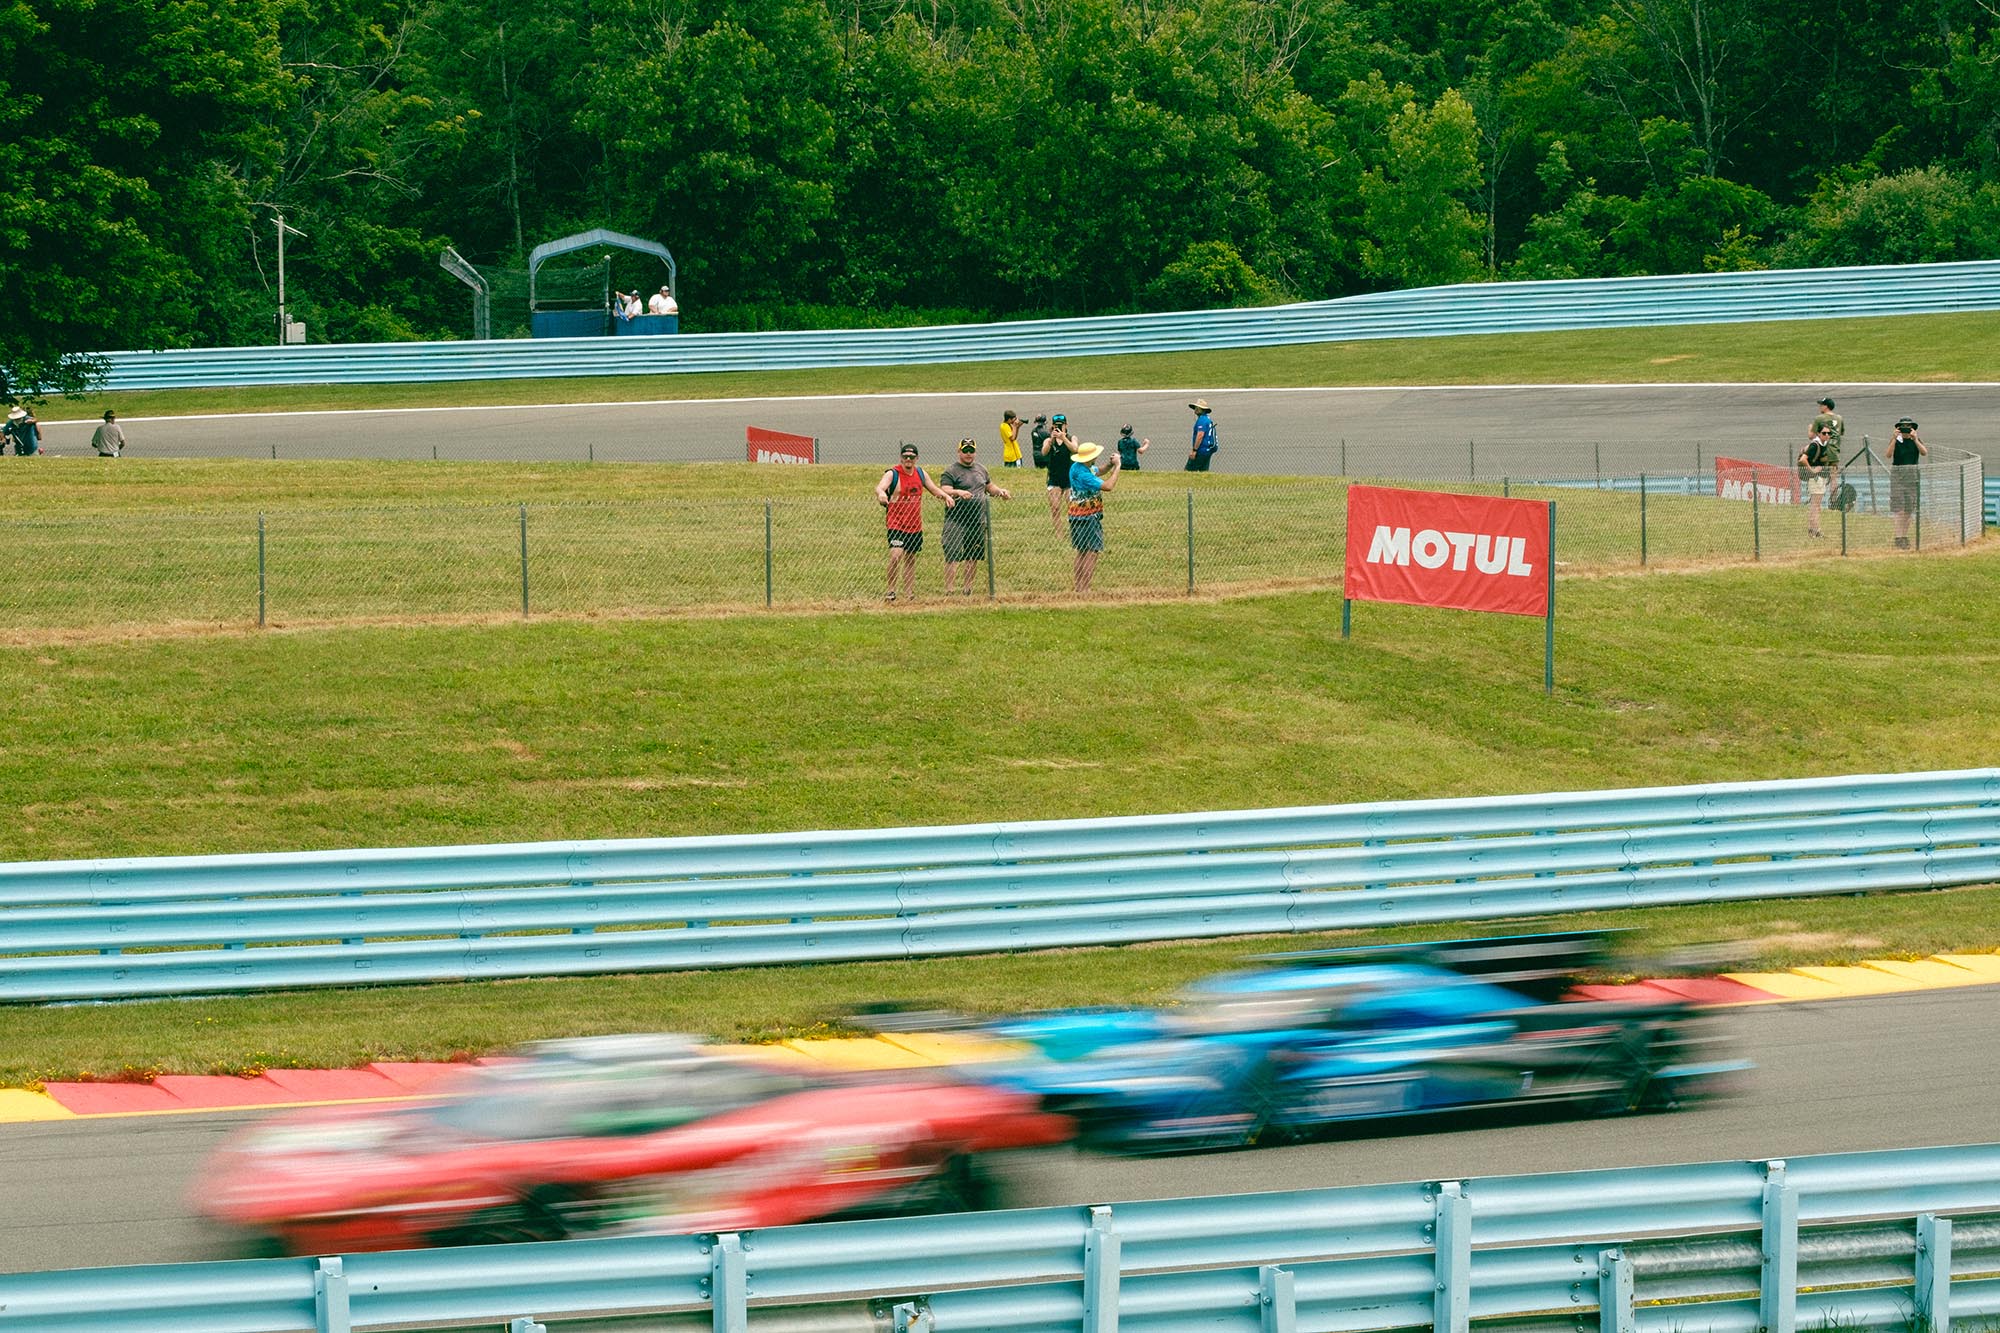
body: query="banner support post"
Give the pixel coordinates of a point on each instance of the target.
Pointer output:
(1346, 616)
(1549, 625)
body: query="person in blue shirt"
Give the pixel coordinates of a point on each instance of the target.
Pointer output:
(1202, 448)
(1086, 508)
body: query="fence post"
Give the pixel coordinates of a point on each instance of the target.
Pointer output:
(986, 521)
(1778, 1291)
(1102, 1250)
(1190, 542)
(1506, 488)
(1343, 455)
(1756, 531)
(1277, 1299)
(262, 587)
(1642, 520)
(729, 1285)
(330, 1304)
(1451, 1240)
(1614, 1293)
(434, 453)
(1920, 512)
(1933, 1291)
(1697, 456)
(1843, 530)
(524, 560)
(1962, 539)
(274, 453)
(1597, 456)
(1471, 462)
(767, 553)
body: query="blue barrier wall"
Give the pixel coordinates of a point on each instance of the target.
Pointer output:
(182, 925)
(1700, 298)
(1903, 1242)
(1993, 502)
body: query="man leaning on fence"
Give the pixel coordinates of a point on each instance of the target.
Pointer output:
(966, 524)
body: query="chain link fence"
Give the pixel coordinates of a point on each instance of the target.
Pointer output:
(1162, 537)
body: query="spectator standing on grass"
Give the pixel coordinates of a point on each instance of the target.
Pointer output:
(1052, 455)
(1813, 467)
(24, 431)
(1905, 482)
(109, 438)
(1129, 449)
(966, 523)
(1010, 439)
(901, 493)
(1086, 508)
(1202, 447)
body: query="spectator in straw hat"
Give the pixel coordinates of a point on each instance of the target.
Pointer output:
(24, 430)
(1087, 484)
(1201, 449)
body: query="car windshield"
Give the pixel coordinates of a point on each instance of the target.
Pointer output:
(1207, 1013)
(546, 1099)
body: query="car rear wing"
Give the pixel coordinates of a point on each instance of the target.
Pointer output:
(1541, 966)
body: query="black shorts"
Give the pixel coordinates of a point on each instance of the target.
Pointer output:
(1199, 463)
(963, 541)
(909, 543)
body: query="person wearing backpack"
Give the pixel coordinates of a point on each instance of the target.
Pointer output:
(901, 494)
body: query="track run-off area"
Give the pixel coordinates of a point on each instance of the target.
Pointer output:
(1414, 431)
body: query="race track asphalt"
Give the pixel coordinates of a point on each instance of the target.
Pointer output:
(1833, 1076)
(1414, 432)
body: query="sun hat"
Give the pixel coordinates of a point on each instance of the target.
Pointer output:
(1906, 424)
(16, 413)
(1199, 404)
(1086, 452)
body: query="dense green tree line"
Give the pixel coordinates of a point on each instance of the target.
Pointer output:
(864, 159)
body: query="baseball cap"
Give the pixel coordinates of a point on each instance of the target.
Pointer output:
(967, 446)
(909, 451)
(1826, 403)
(1124, 430)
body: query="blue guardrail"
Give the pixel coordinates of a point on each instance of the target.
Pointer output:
(96, 930)
(1902, 1242)
(1507, 307)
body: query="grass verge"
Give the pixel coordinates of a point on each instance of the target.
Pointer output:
(1907, 349)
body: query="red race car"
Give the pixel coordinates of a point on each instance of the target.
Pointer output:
(610, 1135)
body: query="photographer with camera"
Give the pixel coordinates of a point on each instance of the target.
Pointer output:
(1087, 485)
(1052, 455)
(1905, 478)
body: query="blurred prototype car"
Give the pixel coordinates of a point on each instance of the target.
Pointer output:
(611, 1135)
(1310, 1040)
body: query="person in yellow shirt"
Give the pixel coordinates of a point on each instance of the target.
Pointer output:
(1010, 439)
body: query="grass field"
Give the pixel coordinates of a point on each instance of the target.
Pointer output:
(167, 542)
(1908, 349)
(149, 743)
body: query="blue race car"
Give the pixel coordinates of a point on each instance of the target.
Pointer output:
(1314, 1039)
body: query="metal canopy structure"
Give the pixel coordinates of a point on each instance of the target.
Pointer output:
(584, 240)
(452, 262)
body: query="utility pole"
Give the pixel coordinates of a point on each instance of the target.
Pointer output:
(284, 315)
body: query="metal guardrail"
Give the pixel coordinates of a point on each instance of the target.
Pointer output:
(1508, 307)
(427, 914)
(1848, 1241)
(1993, 502)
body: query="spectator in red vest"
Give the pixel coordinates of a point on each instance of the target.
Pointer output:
(901, 493)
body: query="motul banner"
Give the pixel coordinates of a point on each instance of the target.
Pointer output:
(1768, 483)
(1426, 548)
(775, 446)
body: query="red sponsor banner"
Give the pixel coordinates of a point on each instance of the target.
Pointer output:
(1740, 479)
(776, 446)
(1427, 548)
